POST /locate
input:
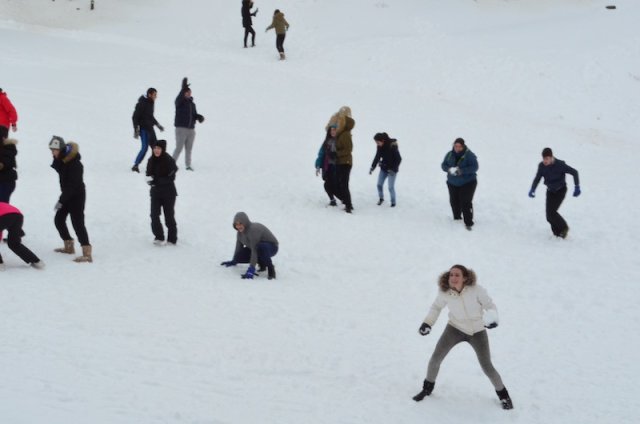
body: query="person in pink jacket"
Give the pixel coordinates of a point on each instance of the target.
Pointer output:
(11, 219)
(471, 312)
(8, 116)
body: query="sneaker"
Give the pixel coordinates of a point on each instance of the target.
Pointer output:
(134, 168)
(271, 272)
(189, 168)
(380, 202)
(563, 233)
(37, 265)
(172, 243)
(158, 242)
(333, 203)
(348, 209)
(468, 227)
(393, 205)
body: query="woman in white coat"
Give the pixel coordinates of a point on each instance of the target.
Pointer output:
(471, 311)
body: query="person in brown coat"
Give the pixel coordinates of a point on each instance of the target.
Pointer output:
(281, 26)
(344, 148)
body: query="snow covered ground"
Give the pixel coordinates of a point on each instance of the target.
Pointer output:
(165, 335)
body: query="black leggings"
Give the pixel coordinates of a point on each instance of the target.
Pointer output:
(249, 30)
(75, 208)
(13, 223)
(280, 42)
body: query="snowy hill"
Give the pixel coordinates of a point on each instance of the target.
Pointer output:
(150, 334)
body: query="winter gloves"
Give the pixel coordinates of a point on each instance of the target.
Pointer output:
(200, 118)
(576, 191)
(228, 263)
(160, 127)
(251, 272)
(492, 325)
(532, 193)
(424, 329)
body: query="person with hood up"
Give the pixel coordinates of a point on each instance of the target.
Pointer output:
(344, 153)
(247, 23)
(255, 244)
(11, 219)
(8, 116)
(161, 175)
(8, 173)
(388, 158)
(471, 313)
(461, 166)
(185, 123)
(281, 26)
(143, 125)
(66, 162)
(326, 164)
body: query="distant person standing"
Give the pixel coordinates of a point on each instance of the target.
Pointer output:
(344, 153)
(185, 122)
(73, 196)
(247, 22)
(8, 116)
(144, 123)
(11, 219)
(388, 159)
(161, 176)
(8, 173)
(461, 166)
(281, 26)
(554, 170)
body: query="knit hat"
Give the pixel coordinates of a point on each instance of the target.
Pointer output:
(57, 143)
(546, 152)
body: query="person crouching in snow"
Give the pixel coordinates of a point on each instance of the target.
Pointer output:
(11, 219)
(161, 174)
(255, 243)
(66, 162)
(388, 158)
(471, 312)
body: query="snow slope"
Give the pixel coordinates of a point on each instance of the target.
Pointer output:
(165, 335)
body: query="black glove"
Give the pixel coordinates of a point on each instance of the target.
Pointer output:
(200, 118)
(492, 325)
(424, 329)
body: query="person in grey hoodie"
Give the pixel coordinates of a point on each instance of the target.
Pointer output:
(255, 244)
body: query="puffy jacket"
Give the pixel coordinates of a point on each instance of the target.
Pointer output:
(466, 161)
(70, 171)
(8, 165)
(8, 114)
(186, 112)
(387, 156)
(143, 114)
(279, 23)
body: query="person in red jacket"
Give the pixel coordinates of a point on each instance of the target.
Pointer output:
(11, 219)
(8, 116)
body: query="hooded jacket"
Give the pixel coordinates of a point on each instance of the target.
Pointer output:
(554, 175)
(8, 114)
(387, 156)
(186, 112)
(279, 23)
(253, 233)
(70, 172)
(143, 114)
(466, 309)
(245, 11)
(162, 169)
(466, 161)
(8, 165)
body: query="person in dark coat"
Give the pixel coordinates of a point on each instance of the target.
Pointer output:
(66, 162)
(326, 164)
(161, 175)
(185, 123)
(247, 23)
(554, 170)
(388, 159)
(461, 166)
(11, 219)
(8, 173)
(143, 125)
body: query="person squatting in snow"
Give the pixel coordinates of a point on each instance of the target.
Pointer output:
(461, 166)
(388, 159)
(471, 312)
(11, 219)
(143, 125)
(255, 244)
(185, 123)
(161, 175)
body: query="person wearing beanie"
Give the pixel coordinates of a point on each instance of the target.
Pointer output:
(161, 176)
(280, 24)
(11, 219)
(461, 166)
(8, 173)
(247, 23)
(326, 164)
(388, 159)
(471, 313)
(66, 162)
(143, 125)
(255, 244)
(8, 116)
(185, 123)
(554, 171)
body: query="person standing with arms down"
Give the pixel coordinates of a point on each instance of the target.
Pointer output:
(554, 170)
(143, 125)
(388, 158)
(185, 122)
(281, 26)
(11, 219)
(344, 153)
(461, 166)
(161, 175)
(8, 116)
(471, 312)
(66, 162)
(247, 22)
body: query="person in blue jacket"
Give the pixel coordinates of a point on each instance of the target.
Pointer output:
(461, 166)
(554, 170)
(388, 158)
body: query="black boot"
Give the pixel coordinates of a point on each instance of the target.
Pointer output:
(505, 400)
(427, 388)
(271, 272)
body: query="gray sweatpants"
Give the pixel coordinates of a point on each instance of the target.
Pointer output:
(184, 139)
(480, 344)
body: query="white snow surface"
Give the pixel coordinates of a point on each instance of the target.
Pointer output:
(149, 334)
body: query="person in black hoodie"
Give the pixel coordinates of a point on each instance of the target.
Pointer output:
(247, 22)
(161, 174)
(388, 158)
(66, 162)
(143, 123)
(8, 174)
(185, 122)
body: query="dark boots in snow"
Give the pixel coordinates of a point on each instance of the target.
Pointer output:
(271, 270)
(505, 400)
(427, 388)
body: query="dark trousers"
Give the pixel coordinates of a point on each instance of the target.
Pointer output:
(75, 208)
(147, 140)
(280, 42)
(12, 222)
(331, 183)
(6, 189)
(164, 202)
(249, 30)
(554, 200)
(266, 250)
(461, 200)
(342, 174)
(4, 132)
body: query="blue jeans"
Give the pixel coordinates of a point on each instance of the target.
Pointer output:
(147, 139)
(383, 175)
(265, 249)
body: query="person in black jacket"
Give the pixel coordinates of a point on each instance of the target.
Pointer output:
(554, 170)
(185, 122)
(388, 158)
(161, 174)
(8, 174)
(247, 22)
(66, 162)
(11, 219)
(143, 123)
